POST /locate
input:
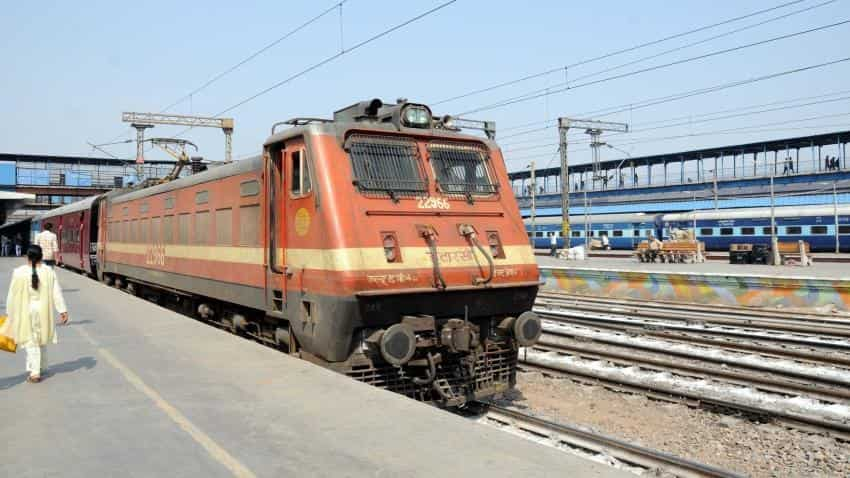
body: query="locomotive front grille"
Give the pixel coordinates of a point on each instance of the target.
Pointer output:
(495, 371)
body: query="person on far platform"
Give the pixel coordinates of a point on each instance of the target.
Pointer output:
(553, 245)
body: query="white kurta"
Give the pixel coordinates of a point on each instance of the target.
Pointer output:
(30, 313)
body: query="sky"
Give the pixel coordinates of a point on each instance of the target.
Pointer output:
(71, 69)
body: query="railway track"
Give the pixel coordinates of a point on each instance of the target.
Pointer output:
(799, 375)
(767, 320)
(624, 321)
(612, 450)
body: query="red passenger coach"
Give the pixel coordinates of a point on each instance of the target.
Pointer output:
(75, 226)
(383, 244)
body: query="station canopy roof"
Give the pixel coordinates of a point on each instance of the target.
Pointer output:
(824, 139)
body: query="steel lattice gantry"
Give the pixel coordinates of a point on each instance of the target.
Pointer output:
(141, 121)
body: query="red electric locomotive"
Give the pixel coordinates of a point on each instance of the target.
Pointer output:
(383, 244)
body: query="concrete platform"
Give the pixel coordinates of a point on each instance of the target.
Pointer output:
(135, 390)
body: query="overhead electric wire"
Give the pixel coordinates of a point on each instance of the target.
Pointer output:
(688, 45)
(528, 97)
(245, 60)
(330, 59)
(257, 53)
(745, 129)
(614, 53)
(687, 94)
(704, 120)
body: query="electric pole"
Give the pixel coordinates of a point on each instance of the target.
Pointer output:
(563, 126)
(594, 129)
(533, 202)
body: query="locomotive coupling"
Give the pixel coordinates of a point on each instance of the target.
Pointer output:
(525, 329)
(459, 336)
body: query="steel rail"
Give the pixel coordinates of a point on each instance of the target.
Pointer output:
(738, 310)
(800, 421)
(729, 373)
(570, 436)
(601, 341)
(708, 317)
(624, 323)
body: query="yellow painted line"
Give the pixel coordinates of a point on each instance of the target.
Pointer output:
(372, 258)
(241, 255)
(340, 259)
(215, 450)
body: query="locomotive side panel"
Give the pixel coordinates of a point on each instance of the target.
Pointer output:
(200, 238)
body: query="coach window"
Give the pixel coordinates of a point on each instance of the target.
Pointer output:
(168, 230)
(618, 233)
(844, 229)
(726, 231)
(202, 197)
(300, 184)
(748, 231)
(202, 227)
(706, 231)
(793, 230)
(156, 230)
(766, 230)
(223, 227)
(818, 229)
(144, 225)
(249, 225)
(575, 233)
(249, 188)
(183, 228)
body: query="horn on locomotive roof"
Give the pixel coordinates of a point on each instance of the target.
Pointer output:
(359, 111)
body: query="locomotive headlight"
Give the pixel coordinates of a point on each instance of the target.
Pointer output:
(416, 116)
(391, 249)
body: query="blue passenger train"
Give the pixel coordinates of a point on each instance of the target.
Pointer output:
(821, 226)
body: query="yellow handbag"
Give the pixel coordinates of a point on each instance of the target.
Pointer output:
(7, 344)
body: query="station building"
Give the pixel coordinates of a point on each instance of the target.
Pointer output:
(31, 184)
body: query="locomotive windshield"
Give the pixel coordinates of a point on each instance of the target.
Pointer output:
(387, 165)
(461, 169)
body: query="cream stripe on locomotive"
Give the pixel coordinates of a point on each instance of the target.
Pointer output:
(341, 260)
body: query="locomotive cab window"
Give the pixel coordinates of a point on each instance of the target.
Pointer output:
(386, 165)
(300, 184)
(461, 169)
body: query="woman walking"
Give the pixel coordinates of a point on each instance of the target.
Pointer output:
(33, 295)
